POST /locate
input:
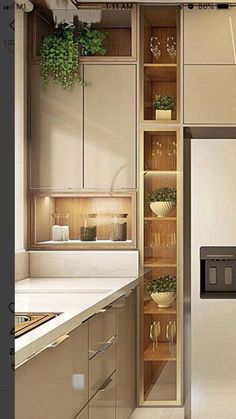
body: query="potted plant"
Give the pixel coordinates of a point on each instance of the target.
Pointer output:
(164, 105)
(163, 290)
(60, 53)
(162, 201)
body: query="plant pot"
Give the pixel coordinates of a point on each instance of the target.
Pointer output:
(163, 114)
(162, 208)
(163, 299)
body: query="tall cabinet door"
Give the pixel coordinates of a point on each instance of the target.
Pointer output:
(125, 356)
(209, 36)
(109, 126)
(55, 135)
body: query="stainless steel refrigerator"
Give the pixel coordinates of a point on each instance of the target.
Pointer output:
(211, 306)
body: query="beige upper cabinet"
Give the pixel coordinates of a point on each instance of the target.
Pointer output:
(55, 135)
(210, 94)
(209, 36)
(109, 126)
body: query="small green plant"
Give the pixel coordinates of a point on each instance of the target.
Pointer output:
(91, 41)
(60, 53)
(163, 284)
(162, 194)
(164, 103)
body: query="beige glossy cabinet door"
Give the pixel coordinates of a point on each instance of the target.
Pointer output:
(55, 135)
(102, 405)
(109, 126)
(210, 94)
(54, 384)
(209, 36)
(84, 414)
(125, 356)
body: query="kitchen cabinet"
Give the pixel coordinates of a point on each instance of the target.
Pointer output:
(209, 36)
(125, 355)
(56, 127)
(101, 348)
(54, 384)
(210, 94)
(102, 405)
(109, 126)
(84, 414)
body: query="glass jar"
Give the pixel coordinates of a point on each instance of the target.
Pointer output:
(119, 227)
(88, 231)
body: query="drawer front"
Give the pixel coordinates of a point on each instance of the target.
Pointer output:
(102, 406)
(101, 330)
(101, 366)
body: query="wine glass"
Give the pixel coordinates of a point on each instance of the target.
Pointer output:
(171, 47)
(170, 334)
(155, 47)
(155, 331)
(172, 151)
(156, 153)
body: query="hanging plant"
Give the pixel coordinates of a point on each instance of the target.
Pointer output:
(60, 57)
(60, 53)
(91, 40)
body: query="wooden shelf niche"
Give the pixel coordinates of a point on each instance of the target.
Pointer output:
(160, 76)
(119, 26)
(77, 211)
(160, 258)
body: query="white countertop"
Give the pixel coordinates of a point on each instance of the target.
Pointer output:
(69, 296)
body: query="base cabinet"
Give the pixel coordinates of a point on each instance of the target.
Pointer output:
(125, 356)
(88, 375)
(84, 414)
(54, 384)
(102, 405)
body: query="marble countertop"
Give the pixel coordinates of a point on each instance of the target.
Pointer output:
(75, 298)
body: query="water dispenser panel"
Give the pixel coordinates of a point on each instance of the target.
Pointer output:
(218, 272)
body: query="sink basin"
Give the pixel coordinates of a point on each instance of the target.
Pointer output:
(19, 319)
(25, 322)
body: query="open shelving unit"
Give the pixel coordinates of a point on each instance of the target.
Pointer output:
(80, 211)
(159, 75)
(118, 25)
(160, 237)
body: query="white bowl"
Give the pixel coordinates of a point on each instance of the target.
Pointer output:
(163, 299)
(162, 208)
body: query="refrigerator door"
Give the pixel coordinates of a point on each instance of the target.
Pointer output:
(213, 321)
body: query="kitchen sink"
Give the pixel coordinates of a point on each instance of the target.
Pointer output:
(25, 322)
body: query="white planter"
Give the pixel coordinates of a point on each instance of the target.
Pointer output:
(163, 115)
(163, 299)
(162, 209)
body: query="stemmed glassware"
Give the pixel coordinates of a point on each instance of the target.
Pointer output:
(171, 246)
(155, 331)
(172, 152)
(155, 47)
(170, 334)
(156, 153)
(171, 47)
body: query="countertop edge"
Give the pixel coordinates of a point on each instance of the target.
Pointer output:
(32, 349)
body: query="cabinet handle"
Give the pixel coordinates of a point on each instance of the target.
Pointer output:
(51, 345)
(105, 385)
(103, 310)
(103, 348)
(57, 342)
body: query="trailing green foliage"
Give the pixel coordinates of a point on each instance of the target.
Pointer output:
(164, 103)
(163, 284)
(162, 194)
(91, 41)
(60, 53)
